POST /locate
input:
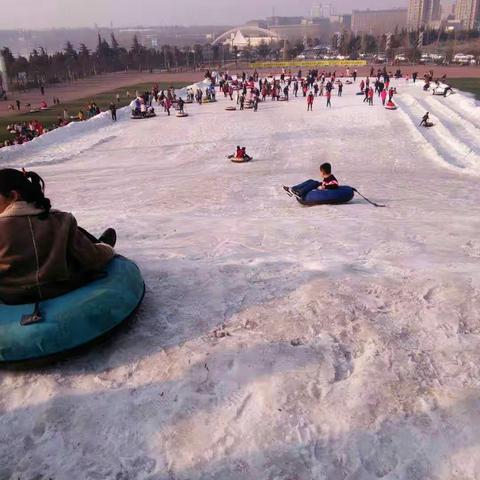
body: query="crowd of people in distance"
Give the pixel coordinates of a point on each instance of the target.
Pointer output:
(23, 132)
(141, 107)
(26, 131)
(166, 99)
(247, 90)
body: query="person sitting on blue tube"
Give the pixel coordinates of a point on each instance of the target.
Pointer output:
(329, 182)
(43, 253)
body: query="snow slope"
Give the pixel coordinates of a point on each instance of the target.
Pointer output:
(276, 341)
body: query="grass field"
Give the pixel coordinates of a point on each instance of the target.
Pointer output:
(103, 100)
(471, 85)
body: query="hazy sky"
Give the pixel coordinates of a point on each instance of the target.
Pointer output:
(79, 13)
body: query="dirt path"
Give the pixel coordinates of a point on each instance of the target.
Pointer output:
(92, 86)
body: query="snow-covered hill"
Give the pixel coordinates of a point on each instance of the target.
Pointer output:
(275, 342)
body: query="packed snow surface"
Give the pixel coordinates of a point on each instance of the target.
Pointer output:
(275, 342)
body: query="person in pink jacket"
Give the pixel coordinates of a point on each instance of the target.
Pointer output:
(168, 105)
(383, 96)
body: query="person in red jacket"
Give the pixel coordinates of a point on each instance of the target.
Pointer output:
(264, 93)
(370, 96)
(310, 98)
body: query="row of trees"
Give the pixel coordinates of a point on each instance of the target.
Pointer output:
(351, 45)
(71, 64)
(408, 42)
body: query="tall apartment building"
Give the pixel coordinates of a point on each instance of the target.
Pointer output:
(321, 10)
(468, 12)
(422, 12)
(378, 22)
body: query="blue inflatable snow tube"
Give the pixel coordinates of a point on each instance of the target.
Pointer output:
(74, 319)
(342, 194)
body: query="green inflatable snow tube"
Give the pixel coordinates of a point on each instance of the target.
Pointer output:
(74, 319)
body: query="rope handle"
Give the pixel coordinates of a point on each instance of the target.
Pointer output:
(369, 201)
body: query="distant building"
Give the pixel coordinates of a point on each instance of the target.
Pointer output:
(280, 21)
(246, 36)
(468, 13)
(316, 11)
(378, 22)
(257, 23)
(327, 10)
(321, 10)
(422, 12)
(318, 28)
(341, 22)
(3, 74)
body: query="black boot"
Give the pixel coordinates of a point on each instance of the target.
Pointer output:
(109, 236)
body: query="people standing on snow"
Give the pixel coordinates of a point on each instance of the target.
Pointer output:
(383, 96)
(113, 111)
(167, 104)
(381, 88)
(340, 88)
(295, 87)
(264, 93)
(365, 98)
(255, 102)
(328, 94)
(310, 98)
(370, 96)
(355, 76)
(180, 104)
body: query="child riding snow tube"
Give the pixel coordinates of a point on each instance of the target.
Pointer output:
(244, 159)
(71, 320)
(240, 155)
(390, 105)
(342, 194)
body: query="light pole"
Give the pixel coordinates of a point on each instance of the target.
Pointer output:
(3, 73)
